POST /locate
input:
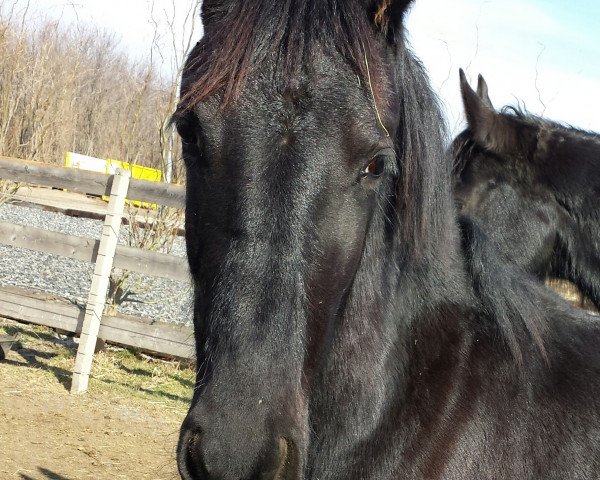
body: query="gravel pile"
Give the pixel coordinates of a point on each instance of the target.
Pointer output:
(155, 298)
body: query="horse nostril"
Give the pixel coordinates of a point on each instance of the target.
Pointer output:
(188, 458)
(280, 461)
(202, 456)
(286, 462)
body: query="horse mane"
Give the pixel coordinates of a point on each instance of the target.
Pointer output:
(426, 195)
(498, 284)
(462, 150)
(547, 124)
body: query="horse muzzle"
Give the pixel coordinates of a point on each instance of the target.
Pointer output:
(281, 463)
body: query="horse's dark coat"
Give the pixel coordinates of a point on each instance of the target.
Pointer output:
(534, 187)
(347, 326)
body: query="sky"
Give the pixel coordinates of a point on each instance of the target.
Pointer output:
(541, 54)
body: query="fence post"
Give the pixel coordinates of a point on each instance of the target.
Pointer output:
(97, 296)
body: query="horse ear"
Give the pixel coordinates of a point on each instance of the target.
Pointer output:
(388, 14)
(482, 91)
(501, 134)
(481, 118)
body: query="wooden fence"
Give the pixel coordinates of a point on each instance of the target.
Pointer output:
(91, 322)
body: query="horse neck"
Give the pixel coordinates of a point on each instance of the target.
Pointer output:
(379, 342)
(567, 170)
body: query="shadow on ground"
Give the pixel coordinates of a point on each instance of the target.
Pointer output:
(52, 352)
(36, 358)
(47, 475)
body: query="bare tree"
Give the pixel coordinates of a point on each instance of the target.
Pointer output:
(65, 88)
(175, 29)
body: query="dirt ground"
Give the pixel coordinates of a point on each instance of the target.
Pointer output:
(125, 427)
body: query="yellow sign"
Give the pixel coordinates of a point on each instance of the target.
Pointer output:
(84, 162)
(139, 172)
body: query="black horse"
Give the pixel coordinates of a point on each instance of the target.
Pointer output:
(534, 187)
(347, 325)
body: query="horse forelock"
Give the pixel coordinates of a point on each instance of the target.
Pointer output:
(285, 33)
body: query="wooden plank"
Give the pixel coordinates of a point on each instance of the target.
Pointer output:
(59, 201)
(152, 263)
(172, 340)
(167, 194)
(84, 181)
(86, 249)
(39, 309)
(97, 295)
(80, 205)
(73, 179)
(55, 243)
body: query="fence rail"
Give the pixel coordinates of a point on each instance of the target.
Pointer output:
(86, 249)
(36, 307)
(83, 181)
(104, 253)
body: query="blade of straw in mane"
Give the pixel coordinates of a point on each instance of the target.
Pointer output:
(387, 133)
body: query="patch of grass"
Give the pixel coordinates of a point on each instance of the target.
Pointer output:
(122, 371)
(7, 190)
(116, 372)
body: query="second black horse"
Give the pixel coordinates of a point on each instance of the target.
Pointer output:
(533, 186)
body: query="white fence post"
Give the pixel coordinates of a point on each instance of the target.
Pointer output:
(97, 296)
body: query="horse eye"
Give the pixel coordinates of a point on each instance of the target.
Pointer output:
(187, 132)
(188, 138)
(375, 168)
